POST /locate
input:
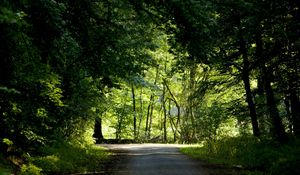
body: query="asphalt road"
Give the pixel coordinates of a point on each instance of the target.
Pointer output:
(154, 159)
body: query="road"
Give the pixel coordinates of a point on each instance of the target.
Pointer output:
(154, 159)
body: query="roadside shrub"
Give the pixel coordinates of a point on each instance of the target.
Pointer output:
(30, 169)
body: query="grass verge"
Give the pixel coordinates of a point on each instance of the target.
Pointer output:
(250, 155)
(66, 158)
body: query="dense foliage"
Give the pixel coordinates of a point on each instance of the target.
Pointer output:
(148, 70)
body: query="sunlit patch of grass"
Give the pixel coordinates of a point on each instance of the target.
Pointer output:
(68, 158)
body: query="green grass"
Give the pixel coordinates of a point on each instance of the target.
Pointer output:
(67, 158)
(255, 156)
(60, 158)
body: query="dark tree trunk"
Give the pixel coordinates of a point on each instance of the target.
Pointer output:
(148, 113)
(294, 96)
(249, 99)
(134, 112)
(141, 114)
(295, 111)
(278, 128)
(165, 114)
(246, 80)
(98, 130)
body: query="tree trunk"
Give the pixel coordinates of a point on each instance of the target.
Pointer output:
(249, 99)
(246, 80)
(278, 128)
(172, 125)
(260, 101)
(165, 114)
(98, 130)
(134, 112)
(148, 113)
(177, 106)
(295, 111)
(141, 113)
(150, 121)
(190, 100)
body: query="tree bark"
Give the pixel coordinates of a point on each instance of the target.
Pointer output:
(148, 113)
(141, 113)
(278, 128)
(150, 121)
(134, 112)
(246, 81)
(165, 114)
(98, 135)
(190, 100)
(249, 99)
(295, 111)
(171, 122)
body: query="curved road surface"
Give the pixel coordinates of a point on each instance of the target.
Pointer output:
(154, 159)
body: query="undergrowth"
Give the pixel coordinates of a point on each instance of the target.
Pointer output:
(69, 158)
(251, 154)
(61, 158)
(5, 167)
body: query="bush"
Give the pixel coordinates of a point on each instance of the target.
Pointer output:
(30, 169)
